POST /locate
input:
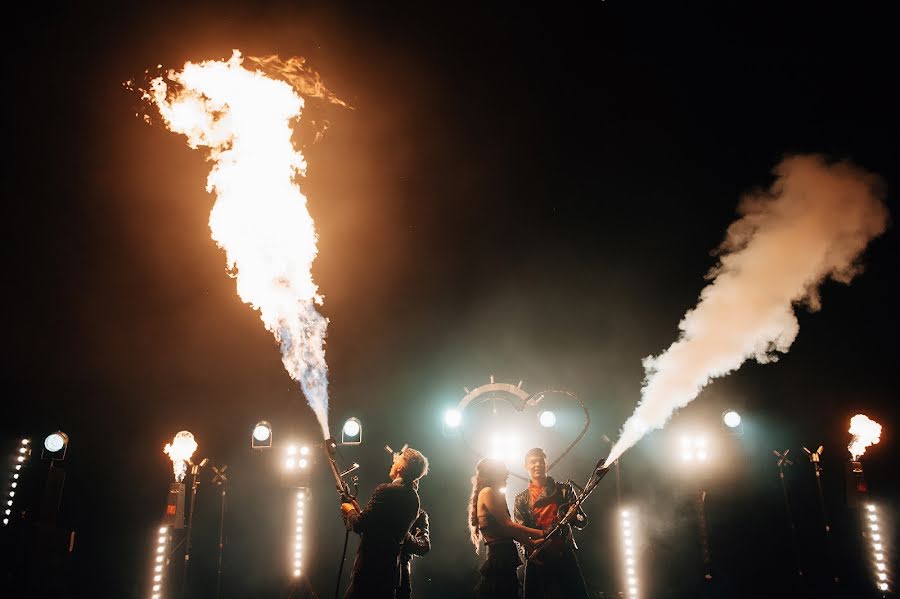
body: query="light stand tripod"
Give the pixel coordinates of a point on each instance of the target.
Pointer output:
(195, 482)
(815, 460)
(783, 462)
(220, 479)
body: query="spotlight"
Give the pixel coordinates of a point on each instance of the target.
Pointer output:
(55, 446)
(452, 418)
(351, 433)
(548, 419)
(731, 419)
(262, 435)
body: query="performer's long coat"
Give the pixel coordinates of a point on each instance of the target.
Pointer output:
(382, 526)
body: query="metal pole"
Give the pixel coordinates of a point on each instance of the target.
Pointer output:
(818, 469)
(221, 544)
(790, 517)
(618, 486)
(704, 534)
(187, 540)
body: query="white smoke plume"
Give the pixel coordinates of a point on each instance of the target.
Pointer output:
(811, 225)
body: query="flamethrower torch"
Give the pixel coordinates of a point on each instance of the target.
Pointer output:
(345, 495)
(600, 470)
(340, 484)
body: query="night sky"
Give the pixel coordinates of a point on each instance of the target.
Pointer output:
(529, 193)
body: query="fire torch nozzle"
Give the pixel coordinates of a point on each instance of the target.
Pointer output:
(330, 446)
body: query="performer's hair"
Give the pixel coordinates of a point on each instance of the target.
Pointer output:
(487, 471)
(416, 464)
(536, 451)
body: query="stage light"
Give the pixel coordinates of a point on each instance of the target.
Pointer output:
(506, 447)
(304, 450)
(452, 418)
(351, 432)
(261, 438)
(55, 445)
(869, 530)
(158, 574)
(547, 419)
(296, 546)
(22, 455)
(731, 419)
(694, 449)
(626, 519)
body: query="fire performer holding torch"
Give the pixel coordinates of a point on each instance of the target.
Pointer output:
(383, 525)
(555, 573)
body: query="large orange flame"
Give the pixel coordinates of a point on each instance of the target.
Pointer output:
(260, 217)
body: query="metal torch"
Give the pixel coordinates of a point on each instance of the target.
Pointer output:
(600, 470)
(340, 484)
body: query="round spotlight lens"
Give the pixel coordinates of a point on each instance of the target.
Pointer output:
(54, 442)
(262, 432)
(732, 419)
(351, 427)
(548, 419)
(304, 450)
(452, 418)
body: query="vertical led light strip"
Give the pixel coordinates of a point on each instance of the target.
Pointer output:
(297, 545)
(160, 561)
(22, 455)
(873, 531)
(629, 553)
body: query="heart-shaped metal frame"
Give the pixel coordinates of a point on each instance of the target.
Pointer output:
(519, 399)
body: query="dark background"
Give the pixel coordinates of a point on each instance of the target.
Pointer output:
(531, 193)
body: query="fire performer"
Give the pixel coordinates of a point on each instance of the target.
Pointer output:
(383, 525)
(416, 544)
(489, 521)
(556, 574)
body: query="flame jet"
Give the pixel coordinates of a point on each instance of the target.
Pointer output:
(260, 217)
(811, 225)
(865, 432)
(180, 451)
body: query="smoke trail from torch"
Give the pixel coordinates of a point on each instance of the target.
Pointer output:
(812, 224)
(260, 217)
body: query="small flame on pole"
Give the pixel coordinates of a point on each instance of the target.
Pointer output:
(865, 432)
(180, 451)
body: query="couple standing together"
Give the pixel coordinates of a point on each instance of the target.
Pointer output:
(393, 527)
(553, 575)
